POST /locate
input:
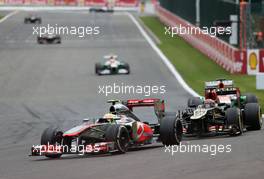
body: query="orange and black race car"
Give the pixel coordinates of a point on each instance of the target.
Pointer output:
(117, 131)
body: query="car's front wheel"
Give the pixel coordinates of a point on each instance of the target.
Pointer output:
(39, 21)
(253, 118)
(40, 41)
(234, 122)
(127, 67)
(52, 136)
(119, 135)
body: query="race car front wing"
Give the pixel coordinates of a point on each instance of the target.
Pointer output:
(102, 147)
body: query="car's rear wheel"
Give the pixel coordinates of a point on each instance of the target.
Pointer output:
(253, 118)
(233, 121)
(52, 136)
(170, 130)
(251, 98)
(172, 114)
(119, 135)
(97, 68)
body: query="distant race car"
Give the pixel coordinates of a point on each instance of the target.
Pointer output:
(101, 10)
(49, 39)
(32, 20)
(112, 66)
(116, 131)
(222, 110)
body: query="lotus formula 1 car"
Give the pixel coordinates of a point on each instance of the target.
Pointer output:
(32, 20)
(222, 110)
(112, 66)
(49, 39)
(116, 131)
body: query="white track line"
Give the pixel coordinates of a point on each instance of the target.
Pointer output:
(7, 16)
(163, 57)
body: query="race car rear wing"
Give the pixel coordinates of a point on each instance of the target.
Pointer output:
(222, 83)
(108, 56)
(228, 91)
(158, 104)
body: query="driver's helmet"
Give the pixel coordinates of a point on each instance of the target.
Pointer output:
(110, 117)
(209, 103)
(212, 94)
(112, 57)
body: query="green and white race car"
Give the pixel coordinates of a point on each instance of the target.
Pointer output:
(112, 66)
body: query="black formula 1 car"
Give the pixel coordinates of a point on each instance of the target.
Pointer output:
(101, 10)
(49, 39)
(112, 66)
(222, 110)
(116, 131)
(32, 20)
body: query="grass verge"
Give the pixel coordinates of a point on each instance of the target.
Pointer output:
(195, 67)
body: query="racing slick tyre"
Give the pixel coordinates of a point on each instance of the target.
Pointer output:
(251, 98)
(252, 114)
(92, 10)
(51, 136)
(39, 21)
(59, 41)
(119, 135)
(127, 68)
(97, 68)
(170, 130)
(193, 102)
(40, 41)
(172, 114)
(234, 122)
